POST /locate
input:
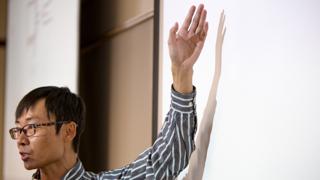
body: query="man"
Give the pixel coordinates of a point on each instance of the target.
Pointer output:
(50, 120)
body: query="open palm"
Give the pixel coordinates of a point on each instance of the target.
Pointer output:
(186, 44)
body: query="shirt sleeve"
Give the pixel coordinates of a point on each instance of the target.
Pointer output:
(172, 149)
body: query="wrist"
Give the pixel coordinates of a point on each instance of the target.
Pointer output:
(182, 80)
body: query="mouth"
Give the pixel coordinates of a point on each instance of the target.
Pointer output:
(24, 156)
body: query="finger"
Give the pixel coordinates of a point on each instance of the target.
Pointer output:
(202, 21)
(200, 43)
(223, 34)
(218, 60)
(222, 12)
(196, 19)
(187, 20)
(197, 51)
(223, 29)
(201, 36)
(172, 33)
(224, 16)
(205, 31)
(221, 21)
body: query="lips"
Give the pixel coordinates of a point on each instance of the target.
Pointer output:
(24, 156)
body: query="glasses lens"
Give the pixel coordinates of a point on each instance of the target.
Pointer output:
(29, 130)
(14, 133)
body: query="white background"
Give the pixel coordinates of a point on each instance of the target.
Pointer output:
(42, 50)
(267, 122)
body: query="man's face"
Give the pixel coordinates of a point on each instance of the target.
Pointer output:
(45, 147)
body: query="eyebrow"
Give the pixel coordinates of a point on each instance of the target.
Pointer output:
(28, 119)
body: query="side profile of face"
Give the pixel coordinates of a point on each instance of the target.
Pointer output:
(45, 147)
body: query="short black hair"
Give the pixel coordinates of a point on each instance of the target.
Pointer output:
(60, 101)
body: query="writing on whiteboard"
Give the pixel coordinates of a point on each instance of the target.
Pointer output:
(39, 15)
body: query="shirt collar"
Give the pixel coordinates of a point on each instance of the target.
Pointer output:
(76, 171)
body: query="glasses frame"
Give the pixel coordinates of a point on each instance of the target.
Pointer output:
(14, 130)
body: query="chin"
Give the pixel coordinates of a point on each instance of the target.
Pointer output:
(29, 165)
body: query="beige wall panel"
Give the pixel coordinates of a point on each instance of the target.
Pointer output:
(100, 17)
(3, 11)
(130, 113)
(2, 66)
(127, 9)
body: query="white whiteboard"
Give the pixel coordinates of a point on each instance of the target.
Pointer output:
(267, 119)
(42, 50)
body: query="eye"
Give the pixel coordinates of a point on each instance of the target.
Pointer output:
(14, 130)
(30, 126)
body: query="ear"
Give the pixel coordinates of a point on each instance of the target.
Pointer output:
(70, 131)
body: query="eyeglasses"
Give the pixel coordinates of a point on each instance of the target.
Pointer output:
(30, 129)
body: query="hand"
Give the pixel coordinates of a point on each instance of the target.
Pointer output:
(185, 47)
(219, 42)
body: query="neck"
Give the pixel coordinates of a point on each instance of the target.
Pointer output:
(57, 170)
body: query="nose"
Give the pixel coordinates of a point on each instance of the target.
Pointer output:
(22, 139)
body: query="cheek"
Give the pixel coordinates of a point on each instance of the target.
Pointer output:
(47, 147)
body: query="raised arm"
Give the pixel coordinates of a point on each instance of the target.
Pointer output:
(198, 157)
(170, 153)
(185, 46)
(176, 139)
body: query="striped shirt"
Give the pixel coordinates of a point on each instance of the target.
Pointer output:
(168, 156)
